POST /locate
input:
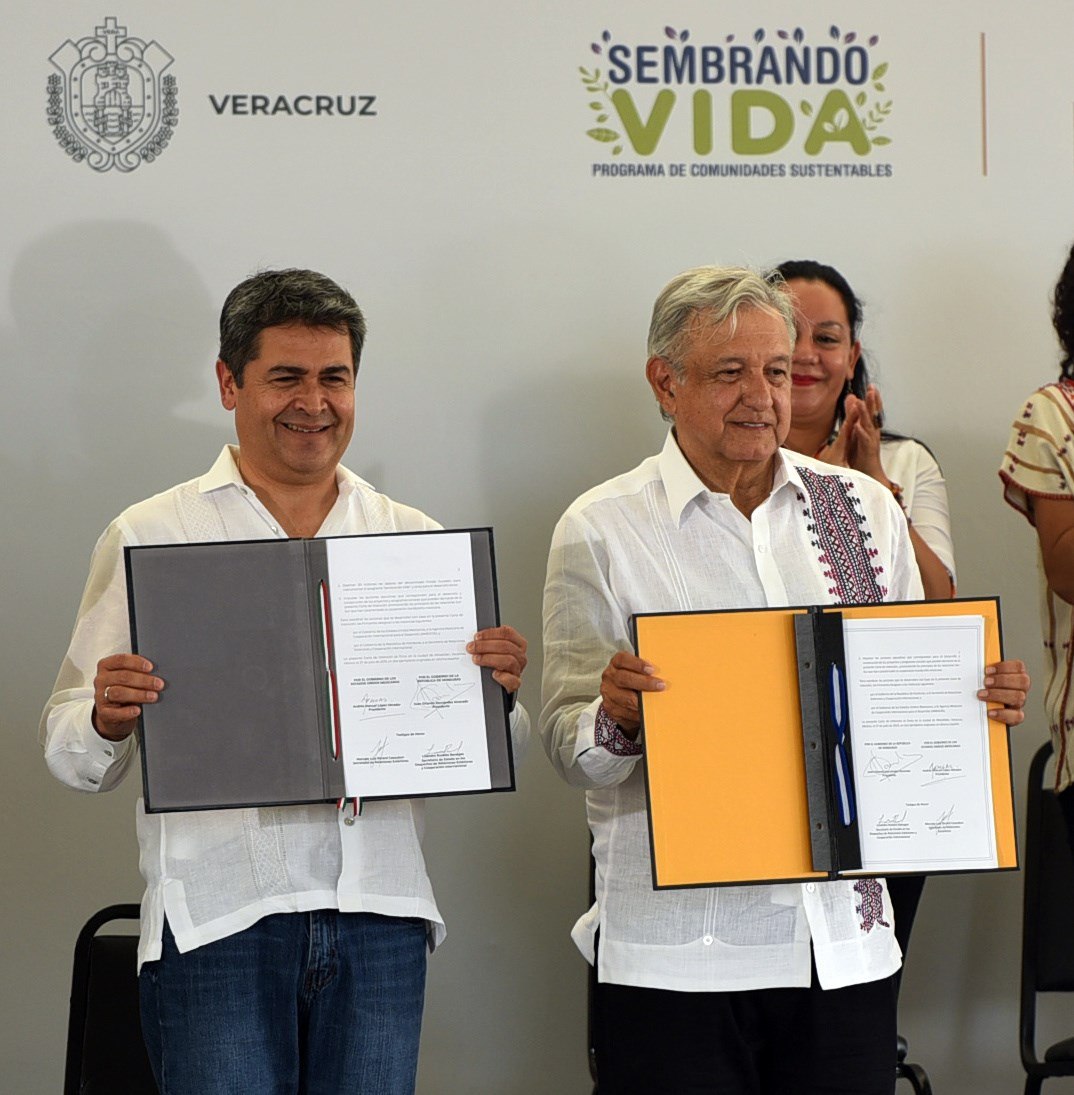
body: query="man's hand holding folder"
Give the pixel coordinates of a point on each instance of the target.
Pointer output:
(621, 683)
(1006, 684)
(123, 683)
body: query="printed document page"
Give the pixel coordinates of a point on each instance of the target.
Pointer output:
(410, 698)
(920, 743)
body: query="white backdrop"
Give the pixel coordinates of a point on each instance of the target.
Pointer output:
(507, 282)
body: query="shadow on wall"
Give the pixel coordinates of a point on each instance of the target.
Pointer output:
(113, 329)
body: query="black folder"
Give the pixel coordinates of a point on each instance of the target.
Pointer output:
(235, 629)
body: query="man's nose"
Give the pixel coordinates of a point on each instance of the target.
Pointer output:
(310, 397)
(756, 391)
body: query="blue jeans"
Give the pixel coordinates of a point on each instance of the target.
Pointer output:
(319, 1003)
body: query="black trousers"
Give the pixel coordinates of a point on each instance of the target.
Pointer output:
(905, 894)
(802, 1041)
(1065, 798)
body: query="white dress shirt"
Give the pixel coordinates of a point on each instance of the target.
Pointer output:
(216, 872)
(656, 540)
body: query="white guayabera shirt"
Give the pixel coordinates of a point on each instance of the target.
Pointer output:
(216, 872)
(657, 540)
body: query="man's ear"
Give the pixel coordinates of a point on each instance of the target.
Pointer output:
(662, 380)
(227, 384)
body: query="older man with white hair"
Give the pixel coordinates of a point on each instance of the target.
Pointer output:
(742, 989)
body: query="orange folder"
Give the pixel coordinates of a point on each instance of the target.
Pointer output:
(724, 747)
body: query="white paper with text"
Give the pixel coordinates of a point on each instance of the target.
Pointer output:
(410, 698)
(920, 743)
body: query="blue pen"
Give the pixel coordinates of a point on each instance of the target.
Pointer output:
(843, 782)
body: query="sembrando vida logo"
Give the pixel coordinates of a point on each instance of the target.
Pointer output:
(110, 103)
(773, 94)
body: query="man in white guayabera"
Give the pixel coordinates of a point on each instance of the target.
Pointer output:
(775, 989)
(284, 948)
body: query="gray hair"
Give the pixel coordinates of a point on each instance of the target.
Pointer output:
(715, 294)
(272, 298)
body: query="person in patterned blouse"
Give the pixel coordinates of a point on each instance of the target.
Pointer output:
(1038, 480)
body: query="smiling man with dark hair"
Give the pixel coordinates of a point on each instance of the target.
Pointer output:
(282, 948)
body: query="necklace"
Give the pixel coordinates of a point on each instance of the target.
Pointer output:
(828, 442)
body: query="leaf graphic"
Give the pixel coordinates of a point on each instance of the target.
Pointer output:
(799, 34)
(828, 127)
(602, 134)
(881, 140)
(782, 34)
(834, 31)
(596, 106)
(807, 108)
(595, 48)
(860, 98)
(879, 71)
(841, 118)
(758, 34)
(602, 117)
(584, 72)
(729, 38)
(875, 38)
(684, 36)
(606, 36)
(618, 148)
(851, 37)
(878, 86)
(671, 32)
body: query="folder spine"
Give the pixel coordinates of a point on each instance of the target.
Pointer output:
(834, 834)
(821, 837)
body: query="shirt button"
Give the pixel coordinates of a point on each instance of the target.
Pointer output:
(707, 940)
(762, 548)
(348, 821)
(95, 782)
(274, 528)
(811, 887)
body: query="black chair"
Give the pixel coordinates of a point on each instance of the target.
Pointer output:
(105, 1051)
(1047, 923)
(907, 1070)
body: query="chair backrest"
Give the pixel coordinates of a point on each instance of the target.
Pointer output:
(105, 1051)
(1049, 885)
(1047, 937)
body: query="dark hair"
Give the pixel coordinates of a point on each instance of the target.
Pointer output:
(811, 270)
(1063, 315)
(273, 298)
